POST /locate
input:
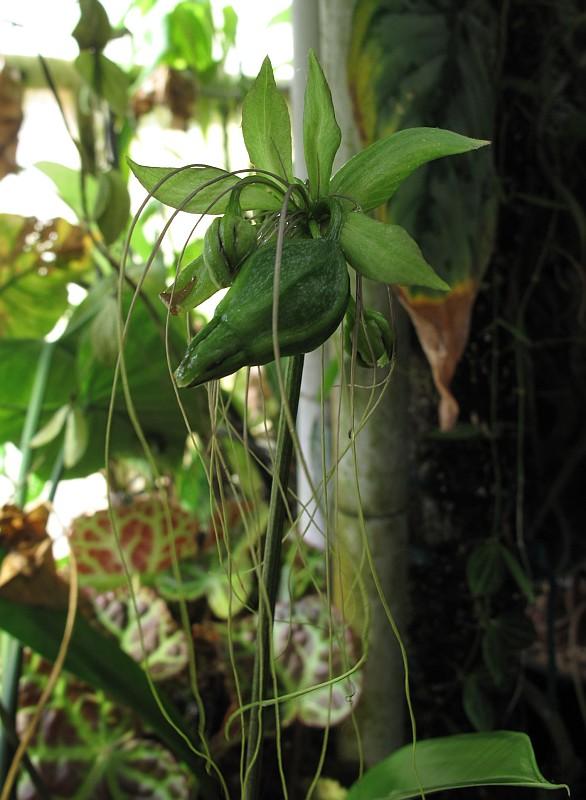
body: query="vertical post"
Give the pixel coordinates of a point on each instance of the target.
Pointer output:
(270, 576)
(382, 455)
(311, 522)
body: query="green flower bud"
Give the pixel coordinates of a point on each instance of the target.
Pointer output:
(375, 337)
(227, 243)
(313, 296)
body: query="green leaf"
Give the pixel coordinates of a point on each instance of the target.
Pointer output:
(504, 638)
(372, 176)
(76, 437)
(52, 428)
(37, 261)
(227, 594)
(68, 184)
(192, 286)
(266, 126)
(17, 375)
(477, 704)
(100, 662)
(106, 79)
(112, 205)
(386, 253)
(519, 575)
(104, 331)
(485, 568)
(93, 31)
(78, 373)
(283, 17)
(190, 32)
(501, 758)
(229, 29)
(321, 133)
(212, 199)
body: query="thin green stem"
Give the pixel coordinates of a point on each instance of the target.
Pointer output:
(12, 661)
(270, 575)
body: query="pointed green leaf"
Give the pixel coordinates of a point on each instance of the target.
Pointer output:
(485, 568)
(479, 707)
(519, 574)
(106, 79)
(386, 253)
(500, 758)
(266, 126)
(190, 36)
(112, 205)
(51, 429)
(372, 176)
(98, 660)
(93, 30)
(192, 286)
(208, 186)
(68, 184)
(321, 134)
(76, 437)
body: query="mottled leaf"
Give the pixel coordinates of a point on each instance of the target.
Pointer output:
(312, 646)
(165, 643)
(145, 539)
(88, 746)
(99, 661)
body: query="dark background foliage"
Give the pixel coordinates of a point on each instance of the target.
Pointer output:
(514, 467)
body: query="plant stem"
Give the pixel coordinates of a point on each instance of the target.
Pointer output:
(270, 574)
(12, 661)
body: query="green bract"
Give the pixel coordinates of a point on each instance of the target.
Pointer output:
(374, 337)
(226, 244)
(313, 293)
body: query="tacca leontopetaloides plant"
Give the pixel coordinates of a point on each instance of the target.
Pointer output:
(282, 247)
